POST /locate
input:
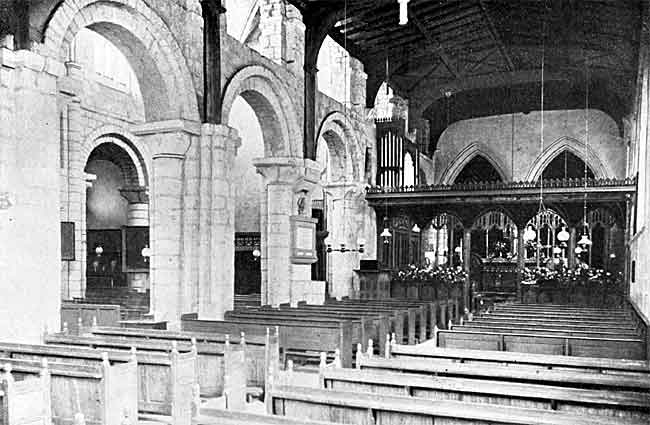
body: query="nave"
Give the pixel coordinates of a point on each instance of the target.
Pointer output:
(347, 362)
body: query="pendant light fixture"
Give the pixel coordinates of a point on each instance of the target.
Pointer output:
(584, 241)
(542, 209)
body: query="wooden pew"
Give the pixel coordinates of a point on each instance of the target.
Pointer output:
(383, 318)
(541, 375)
(557, 307)
(167, 382)
(551, 325)
(229, 417)
(363, 327)
(74, 314)
(367, 409)
(25, 401)
(604, 321)
(623, 404)
(296, 339)
(371, 326)
(422, 323)
(616, 348)
(210, 351)
(97, 394)
(488, 359)
(525, 329)
(438, 312)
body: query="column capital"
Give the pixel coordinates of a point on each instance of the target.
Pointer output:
(72, 82)
(168, 139)
(342, 190)
(228, 137)
(135, 194)
(297, 172)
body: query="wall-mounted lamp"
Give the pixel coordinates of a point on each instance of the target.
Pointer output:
(99, 250)
(256, 254)
(360, 248)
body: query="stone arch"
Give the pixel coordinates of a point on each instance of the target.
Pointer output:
(273, 106)
(342, 143)
(125, 141)
(576, 147)
(464, 157)
(145, 40)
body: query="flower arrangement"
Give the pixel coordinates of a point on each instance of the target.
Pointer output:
(438, 274)
(582, 274)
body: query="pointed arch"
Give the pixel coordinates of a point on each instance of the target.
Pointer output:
(464, 158)
(577, 148)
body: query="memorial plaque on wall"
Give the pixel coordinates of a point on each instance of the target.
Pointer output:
(67, 241)
(303, 240)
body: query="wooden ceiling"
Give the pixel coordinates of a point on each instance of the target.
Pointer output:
(454, 46)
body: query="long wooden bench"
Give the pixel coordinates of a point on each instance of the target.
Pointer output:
(100, 393)
(296, 339)
(210, 350)
(566, 309)
(229, 417)
(605, 321)
(370, 409)
(407, 321)
(488, 359)
(552, 325)
(75, 314)
(625, 404)
(363, 327)
(541, 375)
(616, 348)
(167, 382)
(439, 312)
(509, 328)
(25, 401)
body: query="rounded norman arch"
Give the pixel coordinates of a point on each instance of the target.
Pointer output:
(146, 41)
(576, 147)
(272, 104)
(342, 143)
(464, 157)
(124, 141)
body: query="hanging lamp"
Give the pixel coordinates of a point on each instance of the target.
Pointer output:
(584, 240)
(542, 209)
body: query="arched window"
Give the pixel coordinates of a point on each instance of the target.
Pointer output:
(566, 165)
(478, 170)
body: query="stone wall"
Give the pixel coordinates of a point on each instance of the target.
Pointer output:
(519, 158)
(29, 194)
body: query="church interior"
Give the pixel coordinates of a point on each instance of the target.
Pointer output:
(324, 212)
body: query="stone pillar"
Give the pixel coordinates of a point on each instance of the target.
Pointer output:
(168, 141)
(572, 247)
(521, 260)
(285, 179)
(73, 188)
(138, 209)
(216, 265)
(467, 262)
(30, 251)
(341, 224)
